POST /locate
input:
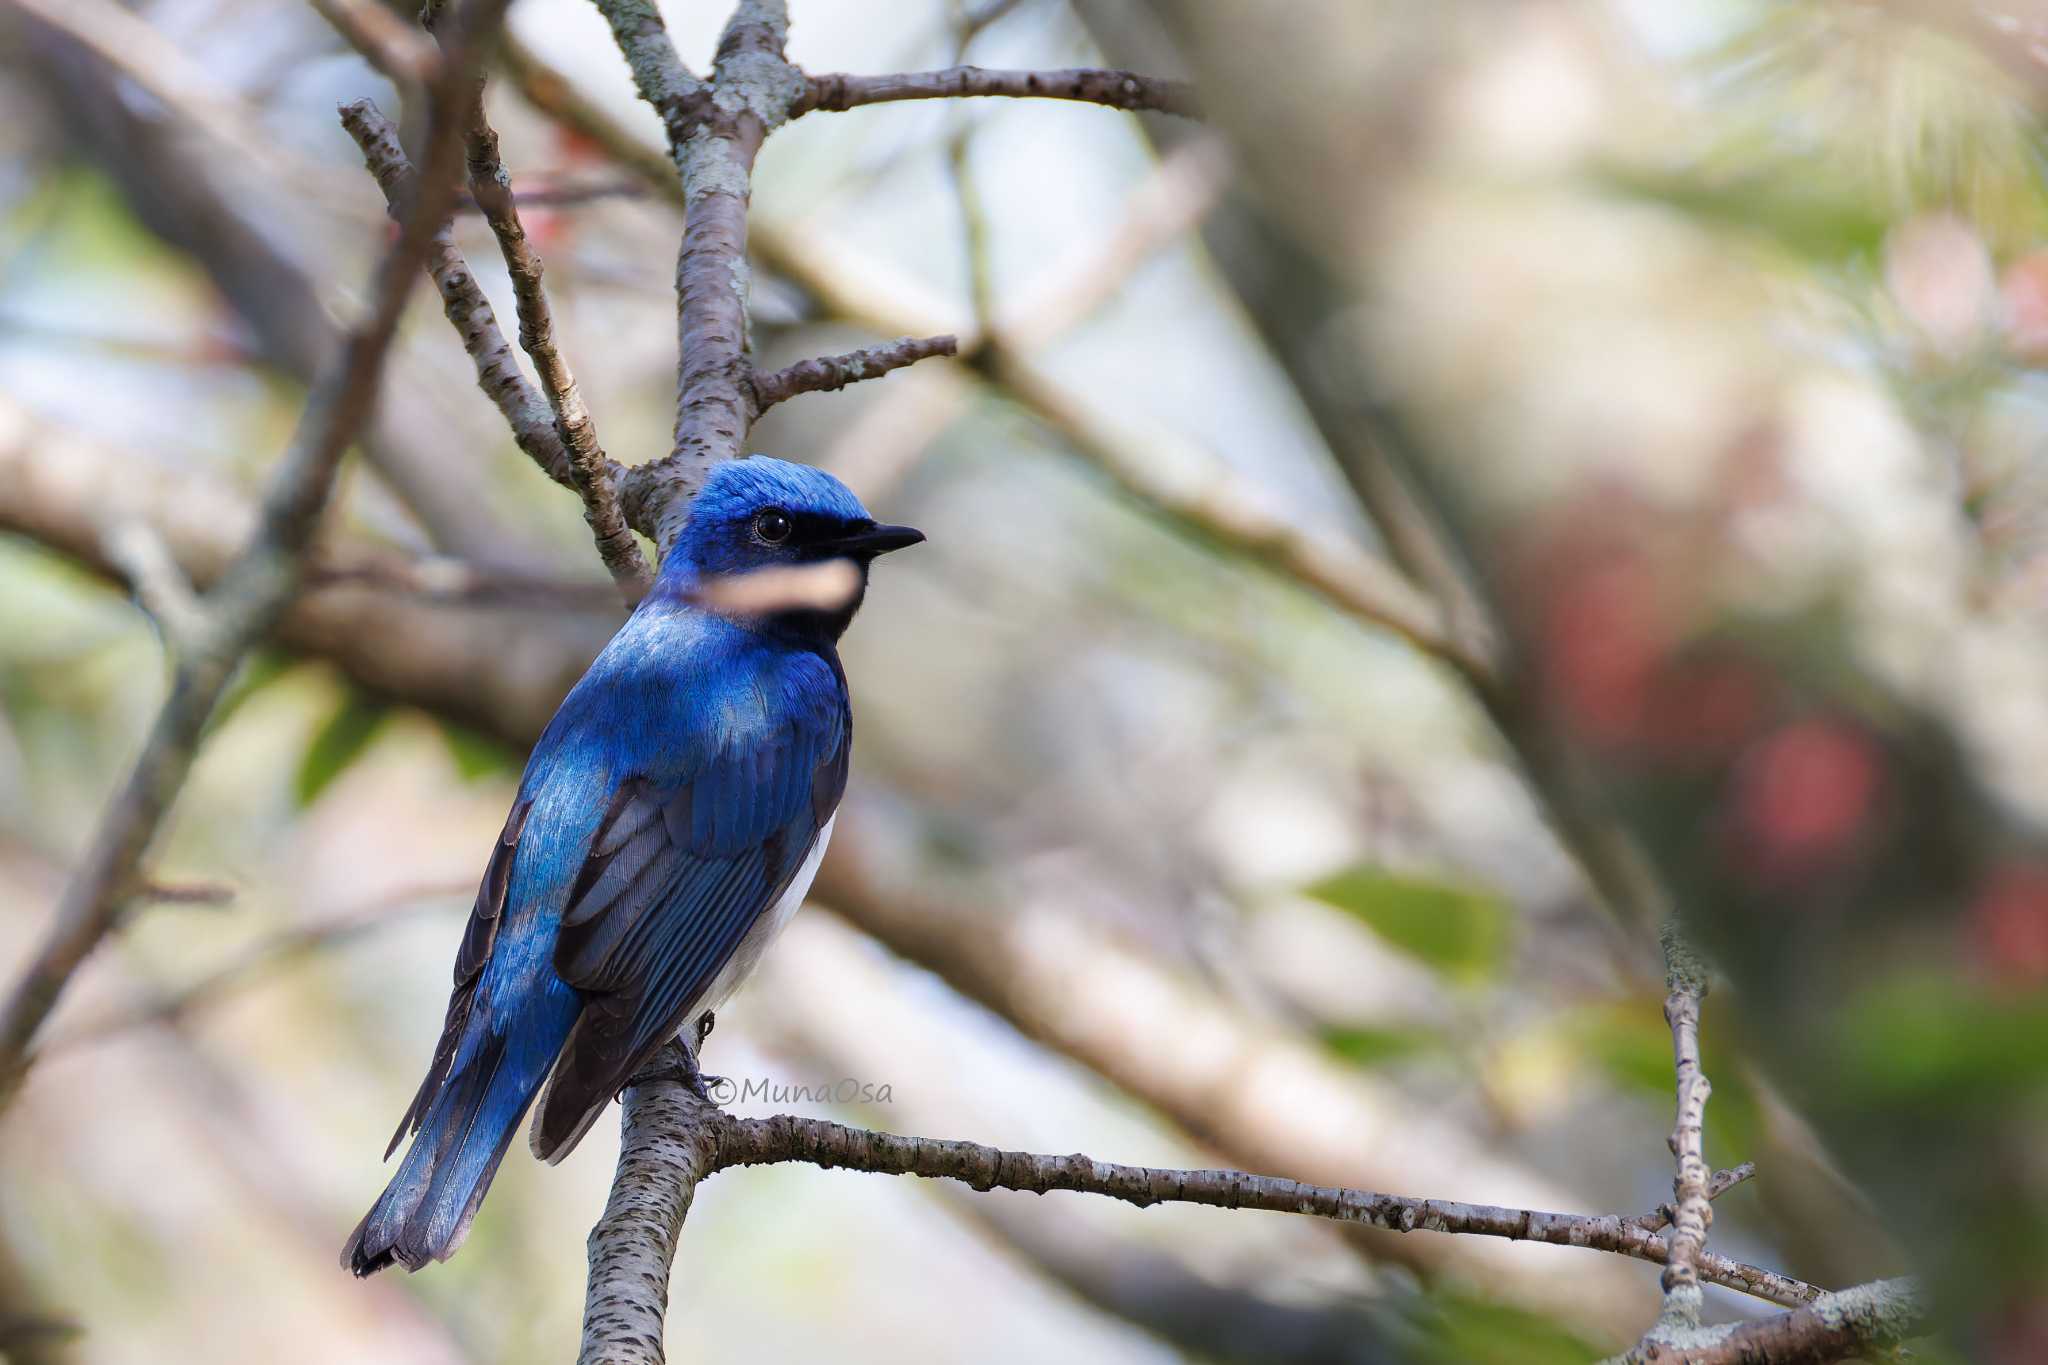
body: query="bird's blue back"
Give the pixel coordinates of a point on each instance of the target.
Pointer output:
(667, 805)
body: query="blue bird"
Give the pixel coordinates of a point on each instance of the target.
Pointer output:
(667, 825)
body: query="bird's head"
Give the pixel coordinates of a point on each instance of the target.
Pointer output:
(782, 545)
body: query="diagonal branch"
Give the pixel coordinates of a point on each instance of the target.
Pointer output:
(462, 300)
(256, 589)
(838, 91)
(593, 474)
(829, 372)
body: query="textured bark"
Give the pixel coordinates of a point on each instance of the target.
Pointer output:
(829, 372)
(593, 476)
(1117, 89)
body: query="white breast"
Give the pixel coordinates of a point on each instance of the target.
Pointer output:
(748, 955)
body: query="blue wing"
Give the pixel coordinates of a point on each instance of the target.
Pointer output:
(677, 872)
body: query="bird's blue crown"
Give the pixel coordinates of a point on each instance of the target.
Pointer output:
(721, 536)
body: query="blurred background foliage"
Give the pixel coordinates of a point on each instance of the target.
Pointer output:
(1718, 327)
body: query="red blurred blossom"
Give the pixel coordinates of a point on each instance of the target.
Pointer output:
(2007, 926)
(1705, 710)
(1603, 639)
(576, 149)
(548, 228)
(1801, 797)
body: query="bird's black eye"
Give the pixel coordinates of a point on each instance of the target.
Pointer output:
(772, 526)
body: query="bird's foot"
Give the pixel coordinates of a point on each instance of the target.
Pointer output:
(706, 1022)
(677, 1061)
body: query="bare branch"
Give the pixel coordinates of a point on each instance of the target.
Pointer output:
(594, 475)
(1722, 1182)
(1848, 1324)
(462, 300)
(673, 1141)
(159, 584)
(838, 91)
(256, 589)
(142, 52)
(714, 137)
(658, 72)
(552, 196)
(1693, 1208)
(830, 372)
(1222, 508)
(505, 674)
(388, 42)
(247, 967)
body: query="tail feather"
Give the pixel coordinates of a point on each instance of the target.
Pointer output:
(425, 1212)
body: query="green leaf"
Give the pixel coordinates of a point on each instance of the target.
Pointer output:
(1933, 1039)
(257, 671)
(1461, 1329)
(340, 742)
(1370, 1047)
(1461, 931)
(475, 754)
(1801, 211)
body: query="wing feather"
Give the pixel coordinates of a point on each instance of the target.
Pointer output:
(676, 876)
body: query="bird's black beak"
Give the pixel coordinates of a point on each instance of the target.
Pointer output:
(873, 539)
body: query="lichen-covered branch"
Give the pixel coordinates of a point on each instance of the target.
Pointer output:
(1849, 1324)
(1693, 1210)
(673, 1141)
(258, 586)
(1118, 89)
(830, 372)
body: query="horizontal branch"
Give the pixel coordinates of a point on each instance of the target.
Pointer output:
(838, 91)
(673, 1141)
(825, 373)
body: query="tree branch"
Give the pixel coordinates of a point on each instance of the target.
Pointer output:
(830, 372)
(838, 91)
(1692, 1207)
(256, 589)
(463, 302)
(594, 475)
(673, 1141)
(1849, 1324)
(1221, 508)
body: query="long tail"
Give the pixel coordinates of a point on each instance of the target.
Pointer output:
(425, 1212)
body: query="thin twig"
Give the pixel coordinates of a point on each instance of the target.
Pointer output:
(160, 586)
(256, 589)
(463, 301)
(1722, 1182)
(825, 373)
(247, 967)
(595, 475)
(1218, 506)
(389, 43)
(1692, 1209)
(837, 91)
(550, 196)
